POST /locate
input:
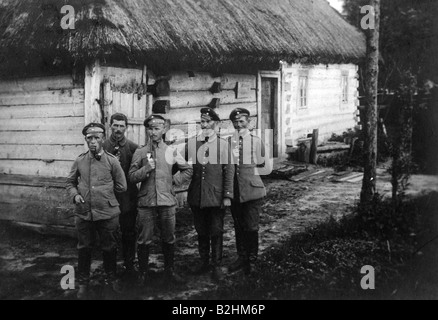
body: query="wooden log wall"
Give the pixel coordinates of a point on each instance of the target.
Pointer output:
(41, 120)
(40, 123)
(191, 91)
(325, 111)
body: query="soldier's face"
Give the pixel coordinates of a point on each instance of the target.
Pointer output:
(241, 123)
(156, 132)
(118, 128)
(208, 127)
(94, 142)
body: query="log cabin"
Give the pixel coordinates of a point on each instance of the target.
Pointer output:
(292, 63)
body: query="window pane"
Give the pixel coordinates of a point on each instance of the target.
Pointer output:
(303, 91)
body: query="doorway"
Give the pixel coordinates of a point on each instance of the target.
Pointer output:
(269, 109)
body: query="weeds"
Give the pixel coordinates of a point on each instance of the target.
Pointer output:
(325, 262)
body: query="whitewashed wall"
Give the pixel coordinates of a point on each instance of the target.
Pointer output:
(325, 110)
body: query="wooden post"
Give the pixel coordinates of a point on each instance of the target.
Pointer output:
(371, 112)
(314, 147)
(107, 101)
(92, 93)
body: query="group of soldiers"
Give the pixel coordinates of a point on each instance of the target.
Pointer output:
(222, 173)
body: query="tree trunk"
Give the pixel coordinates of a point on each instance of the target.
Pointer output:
(371, 112)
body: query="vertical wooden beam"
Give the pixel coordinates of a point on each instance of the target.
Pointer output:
(280, 114)
(107, 101)
(144, 77)
(92, 93)
(259, 100)
(314, 147)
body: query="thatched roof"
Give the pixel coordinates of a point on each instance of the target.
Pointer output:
(175, 34)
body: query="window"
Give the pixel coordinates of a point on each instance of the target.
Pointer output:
(344, 87)
(303, 86)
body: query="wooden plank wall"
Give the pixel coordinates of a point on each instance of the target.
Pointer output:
(40, 123)
(325, 110)
(120, 96)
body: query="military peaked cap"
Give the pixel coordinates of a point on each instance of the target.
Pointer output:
(238, 112)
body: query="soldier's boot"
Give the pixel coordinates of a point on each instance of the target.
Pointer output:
(216, 257)
(241, 252)
(143, 263)
(84, 266)
(112, 285)
(128, 247)
(169, 268)
(204, 253)
(252, 245)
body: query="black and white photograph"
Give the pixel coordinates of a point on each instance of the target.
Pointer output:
(240, 152)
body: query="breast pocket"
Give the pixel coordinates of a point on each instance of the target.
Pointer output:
(105, 177)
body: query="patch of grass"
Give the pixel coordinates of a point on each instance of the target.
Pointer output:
(325, 262)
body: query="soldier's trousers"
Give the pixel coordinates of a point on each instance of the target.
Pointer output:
(209, 224)
(127, 222)
(146, 222)
(87, 231)
(246, 218)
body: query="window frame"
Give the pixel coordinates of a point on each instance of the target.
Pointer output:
(303, 93)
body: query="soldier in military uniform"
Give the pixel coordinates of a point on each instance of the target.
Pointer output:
(123, 149)
(93, 180)
(210, 191)
(152, 166)
(249, 190)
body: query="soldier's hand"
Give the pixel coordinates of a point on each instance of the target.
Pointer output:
(151, 163)
(226, 202)
(79, 199)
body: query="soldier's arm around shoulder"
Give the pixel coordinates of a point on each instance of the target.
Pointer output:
(140, 168)
(118, 175)
(263, 157)
(185, 169)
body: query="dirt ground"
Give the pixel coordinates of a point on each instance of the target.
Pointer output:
(30, 263)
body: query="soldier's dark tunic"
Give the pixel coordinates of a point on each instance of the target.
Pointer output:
(124, 150)
(212, 181)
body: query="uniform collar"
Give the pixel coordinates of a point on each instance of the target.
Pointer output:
(243, 135)
(158, 145)
(115, 142)
(101, 154)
